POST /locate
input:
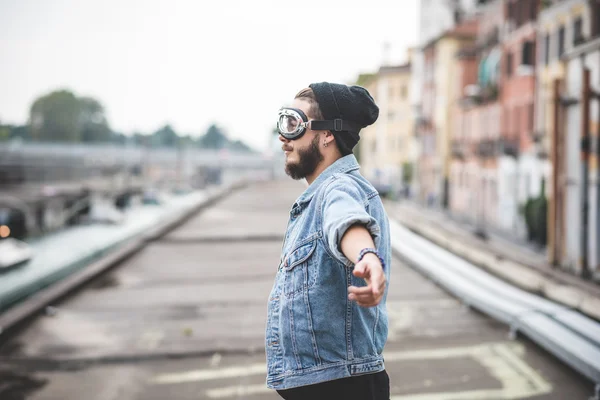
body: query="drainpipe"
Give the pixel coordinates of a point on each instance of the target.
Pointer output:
(555, 204)
(585, 159)
(597, 97)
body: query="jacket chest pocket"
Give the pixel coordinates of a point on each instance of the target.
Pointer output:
(299, 269)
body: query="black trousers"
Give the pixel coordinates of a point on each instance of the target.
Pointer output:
(363, 387)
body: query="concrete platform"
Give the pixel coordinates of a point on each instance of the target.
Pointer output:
(184, 319)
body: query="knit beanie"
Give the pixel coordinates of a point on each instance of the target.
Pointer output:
(350, 103)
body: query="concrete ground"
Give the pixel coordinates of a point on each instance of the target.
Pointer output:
(184, 319)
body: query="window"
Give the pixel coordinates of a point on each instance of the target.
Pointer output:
(547, 49)
(578, 31)
(509, 65)
(528, 53)
(561, 41)
(533, 11)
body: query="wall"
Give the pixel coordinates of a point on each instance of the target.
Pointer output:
(574, 165)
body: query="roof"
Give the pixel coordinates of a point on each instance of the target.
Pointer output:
(390, 69)
(466, 30)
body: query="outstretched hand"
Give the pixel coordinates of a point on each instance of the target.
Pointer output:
(371, 270)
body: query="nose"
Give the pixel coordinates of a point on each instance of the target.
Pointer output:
(283, 140)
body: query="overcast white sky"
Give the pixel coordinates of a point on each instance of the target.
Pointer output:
(189, 62)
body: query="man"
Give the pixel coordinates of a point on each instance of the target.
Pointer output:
(327, 321)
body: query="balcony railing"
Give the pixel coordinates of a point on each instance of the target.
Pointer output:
(459, 149)
(488, 148)
(508, 147)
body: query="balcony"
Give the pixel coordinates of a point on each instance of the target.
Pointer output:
(486, 148)
(508, 147)
(489, 148)
(475, 95)
(458, 150)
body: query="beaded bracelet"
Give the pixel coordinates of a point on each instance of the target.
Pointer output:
(371, 250)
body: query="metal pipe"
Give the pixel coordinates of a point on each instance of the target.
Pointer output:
(598, 174)
(585, 162)
(555, 203)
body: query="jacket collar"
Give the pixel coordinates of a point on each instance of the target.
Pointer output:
(342, 165)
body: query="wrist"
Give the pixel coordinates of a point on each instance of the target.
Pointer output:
(369, 253)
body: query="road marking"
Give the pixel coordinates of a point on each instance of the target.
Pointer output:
(501, 360)
(211, 374)
(239, 391)
(215, 360)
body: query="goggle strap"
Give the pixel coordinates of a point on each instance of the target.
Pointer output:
(336, 125)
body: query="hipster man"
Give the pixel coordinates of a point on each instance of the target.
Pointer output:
(327, 321)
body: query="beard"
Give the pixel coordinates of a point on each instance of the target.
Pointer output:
(309, 158)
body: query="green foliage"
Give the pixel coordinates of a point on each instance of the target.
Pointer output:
(61, 116)
(165, 137)
(238, 145)
(9, 132)
(363, 79)
(407, 172)
(536, 217)
(4, 133)
(93, 124)
(214, 138)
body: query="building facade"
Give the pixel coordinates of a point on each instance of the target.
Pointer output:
(474, 172)
(435, 18)
(436, 124)
(388, 148)
(574, 38)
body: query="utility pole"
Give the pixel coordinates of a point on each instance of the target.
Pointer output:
(554, 237)
(596, 95)
(585, 164)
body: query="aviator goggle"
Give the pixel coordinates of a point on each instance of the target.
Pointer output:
(293, 123)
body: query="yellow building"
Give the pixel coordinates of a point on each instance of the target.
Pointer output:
(560, 28)
(440, 92)
(387, 148)
(564, 28)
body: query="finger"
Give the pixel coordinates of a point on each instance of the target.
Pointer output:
(367, 304)
(382, 287)
(363, 298)
(360, 270)
(378, 280)
(360, 290)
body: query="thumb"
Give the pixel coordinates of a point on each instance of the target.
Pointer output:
(360, 270)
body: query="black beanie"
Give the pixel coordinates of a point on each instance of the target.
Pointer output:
(350, 103)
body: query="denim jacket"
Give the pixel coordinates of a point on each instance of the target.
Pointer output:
(314, 333)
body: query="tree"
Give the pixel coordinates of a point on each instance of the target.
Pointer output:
(55, 117)
(214, 138)
(5, 132)
(165, 137)
(92, 121)
(63, 117)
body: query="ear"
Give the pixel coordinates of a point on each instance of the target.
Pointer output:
(329, 138)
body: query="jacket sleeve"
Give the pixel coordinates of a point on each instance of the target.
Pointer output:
(344, 205)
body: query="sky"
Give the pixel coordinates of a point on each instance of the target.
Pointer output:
(192, 63)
